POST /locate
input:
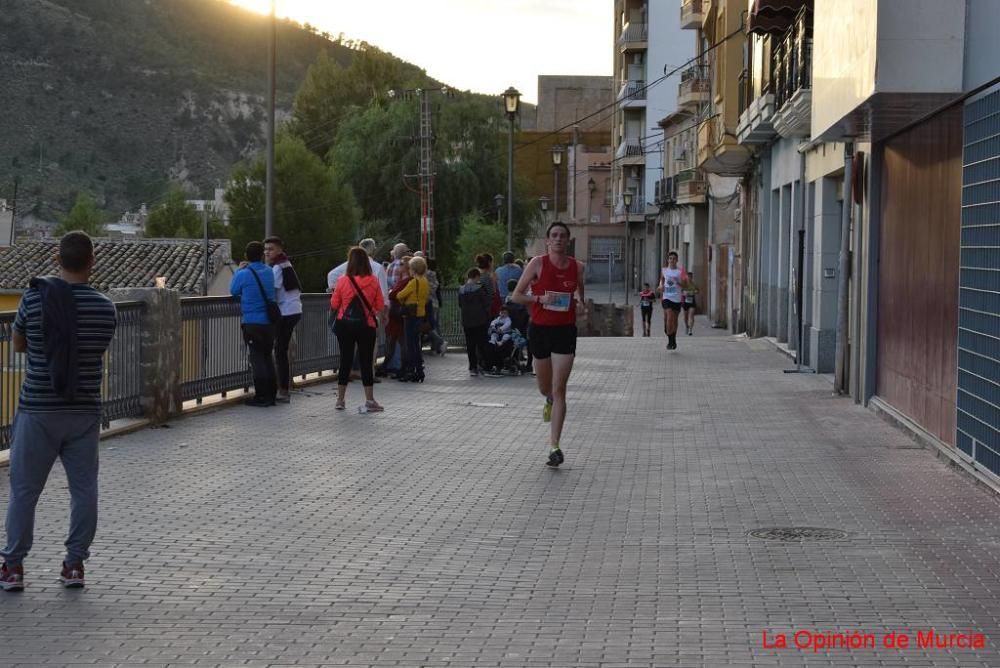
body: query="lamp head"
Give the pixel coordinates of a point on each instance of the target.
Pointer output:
(511, 101)
(557, 155)
(544, 202)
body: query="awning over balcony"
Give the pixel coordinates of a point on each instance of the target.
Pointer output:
(774, 16)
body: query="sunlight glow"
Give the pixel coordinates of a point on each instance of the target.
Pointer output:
(462, 42)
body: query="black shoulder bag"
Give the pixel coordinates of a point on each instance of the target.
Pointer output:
(273, 311)
(353, 313)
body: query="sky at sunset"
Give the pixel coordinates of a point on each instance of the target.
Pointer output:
(479, 45)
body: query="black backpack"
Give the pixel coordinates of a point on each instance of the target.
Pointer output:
(355, 312)
(289, 279)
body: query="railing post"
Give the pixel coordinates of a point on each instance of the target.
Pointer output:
(160, 349)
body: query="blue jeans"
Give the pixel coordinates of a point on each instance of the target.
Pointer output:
(38, 440)
(414, 358)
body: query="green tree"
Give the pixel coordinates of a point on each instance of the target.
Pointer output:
(314, 213)
(84, 216)
(476, 235)
(174, 218)
(331, 93)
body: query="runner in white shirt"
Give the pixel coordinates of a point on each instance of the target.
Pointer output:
(671, 279)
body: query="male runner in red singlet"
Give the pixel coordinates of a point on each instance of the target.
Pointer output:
(556, 283)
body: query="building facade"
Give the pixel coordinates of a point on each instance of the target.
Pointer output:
(681, 195)
(575, 191)
(870, 226)
(649, 45)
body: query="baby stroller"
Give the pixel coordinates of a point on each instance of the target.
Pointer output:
(507, 358)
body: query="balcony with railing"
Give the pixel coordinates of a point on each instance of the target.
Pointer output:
(756, 110)
(632, 94)
(693, 13)
(690, 187)
(630, 153)
(695, 87)
(792, 67)
(634, 37)
(635, 211)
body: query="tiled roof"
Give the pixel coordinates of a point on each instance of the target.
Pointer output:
(120, 264)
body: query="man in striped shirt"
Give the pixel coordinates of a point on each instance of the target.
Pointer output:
(65, 326)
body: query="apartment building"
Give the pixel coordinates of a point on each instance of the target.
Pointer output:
(704, 162)
(649, 45)
(566, 163)
(792, 211)
(681, 194)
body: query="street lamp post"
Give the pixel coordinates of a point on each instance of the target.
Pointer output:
(557, 154)
(627, 198)
(511, 102)
(498, 198)
(269, 167)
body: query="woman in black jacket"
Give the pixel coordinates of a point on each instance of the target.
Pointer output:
(474, 303)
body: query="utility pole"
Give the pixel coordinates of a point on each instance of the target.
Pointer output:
(13, 210)
(425, 169)
(204, 229)
(426, 177)
(269, 184)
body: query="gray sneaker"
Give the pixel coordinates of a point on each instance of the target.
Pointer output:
(283, 397)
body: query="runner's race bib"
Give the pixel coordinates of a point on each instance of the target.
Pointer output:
(561, 301)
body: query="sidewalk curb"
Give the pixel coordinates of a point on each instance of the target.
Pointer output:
(953, 456)
(781, 347)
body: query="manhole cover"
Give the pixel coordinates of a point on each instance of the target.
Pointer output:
(798, 534)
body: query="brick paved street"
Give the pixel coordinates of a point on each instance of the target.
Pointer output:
(433, 535)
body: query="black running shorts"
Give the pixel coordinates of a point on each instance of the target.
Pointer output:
(673, 306)
(543, 340)
(689, 304)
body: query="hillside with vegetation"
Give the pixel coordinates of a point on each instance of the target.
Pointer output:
(121, 98)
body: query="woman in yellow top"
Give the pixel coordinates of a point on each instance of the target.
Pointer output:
(414, 301)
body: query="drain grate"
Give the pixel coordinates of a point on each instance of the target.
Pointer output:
(798, 534)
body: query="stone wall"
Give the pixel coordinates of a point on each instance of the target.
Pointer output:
(606, 320)
(161, 349)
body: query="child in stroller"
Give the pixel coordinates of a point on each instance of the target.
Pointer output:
(506, 346)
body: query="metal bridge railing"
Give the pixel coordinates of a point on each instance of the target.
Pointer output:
(213, 356)
(121, 389)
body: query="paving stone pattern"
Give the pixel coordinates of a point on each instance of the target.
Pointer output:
(433, 535)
